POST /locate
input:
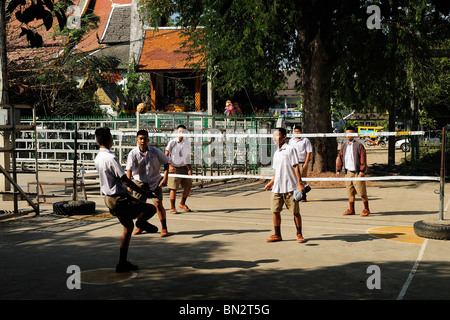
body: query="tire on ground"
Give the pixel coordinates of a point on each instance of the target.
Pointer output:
(433, 229)
(74, 207)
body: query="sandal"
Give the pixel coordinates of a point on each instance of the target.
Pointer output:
(274, 238)
(185, 208)
(300, 238)
(349, 213)
(174, 211)
(365, 213)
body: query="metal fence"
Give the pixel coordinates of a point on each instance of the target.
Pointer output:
(55, 139)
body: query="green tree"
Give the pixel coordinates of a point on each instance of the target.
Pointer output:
(53, 85)
(64, 87)
(329, 44)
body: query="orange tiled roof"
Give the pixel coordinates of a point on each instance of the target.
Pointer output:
(163, 51)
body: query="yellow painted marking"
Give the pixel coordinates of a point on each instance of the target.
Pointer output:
(96, 216)
(401, 234)
(105, 276)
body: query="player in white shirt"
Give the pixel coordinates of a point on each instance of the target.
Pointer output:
(113, 184)
(352, 158)
(179, 150)
(304, 150)
(287, 179)
(143, 167)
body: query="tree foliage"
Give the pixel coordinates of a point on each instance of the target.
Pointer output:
(45, 10)
(64, 85)
(328, 43)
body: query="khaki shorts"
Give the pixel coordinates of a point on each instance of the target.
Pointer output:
(278, 199)
(173, 183)
(144, 185)
(355, 187)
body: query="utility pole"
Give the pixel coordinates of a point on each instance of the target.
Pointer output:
(4, 99)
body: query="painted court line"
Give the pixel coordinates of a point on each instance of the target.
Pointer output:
(413, 271)
(416, 265)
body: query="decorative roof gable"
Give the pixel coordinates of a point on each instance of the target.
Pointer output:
(117, 29)
(163, 51)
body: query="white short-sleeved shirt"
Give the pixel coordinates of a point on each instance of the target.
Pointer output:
(284, 159)
(110, 171)
(146, 166)
(180, 152)
(303, 147)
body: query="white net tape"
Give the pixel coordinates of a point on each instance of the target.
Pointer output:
(232, 134)
(237, 134)
(247, 176)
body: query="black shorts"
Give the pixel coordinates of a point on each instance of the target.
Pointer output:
(126, 208)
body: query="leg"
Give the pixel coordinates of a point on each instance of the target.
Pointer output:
(351, 191)
(294, 207)
(147, 211)
(366, 210)
(124, 265)
(361, 189)
(162, 217)
(298, 225)
(277, 228)
(277, 223)
(173, 197)
(186, 184)
(183, 205)
(158, 203)
(277, 202)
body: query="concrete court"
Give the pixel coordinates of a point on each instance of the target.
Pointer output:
(219, 250)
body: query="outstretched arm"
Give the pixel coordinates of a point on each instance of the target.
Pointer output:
(135, 187)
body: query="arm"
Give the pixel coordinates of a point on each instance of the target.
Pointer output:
(308, 156)
(269, 184)
(163, 181)
(129, 177)
(363, 161)
(171, 169)
(299, 178)
(130, 184)
(308, 153)
(339, 163)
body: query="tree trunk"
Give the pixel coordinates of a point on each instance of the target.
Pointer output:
(316, 84)
(4, 99)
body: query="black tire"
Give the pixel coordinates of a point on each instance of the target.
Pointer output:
(77, 207)
(433, 229)
(382, 144)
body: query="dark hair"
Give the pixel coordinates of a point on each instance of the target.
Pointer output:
(351, 128)
(103, 136)
(298, 128)
(282, 131)
(181, 126)
(142, 132)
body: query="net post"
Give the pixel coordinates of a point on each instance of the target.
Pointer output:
(442, 178)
